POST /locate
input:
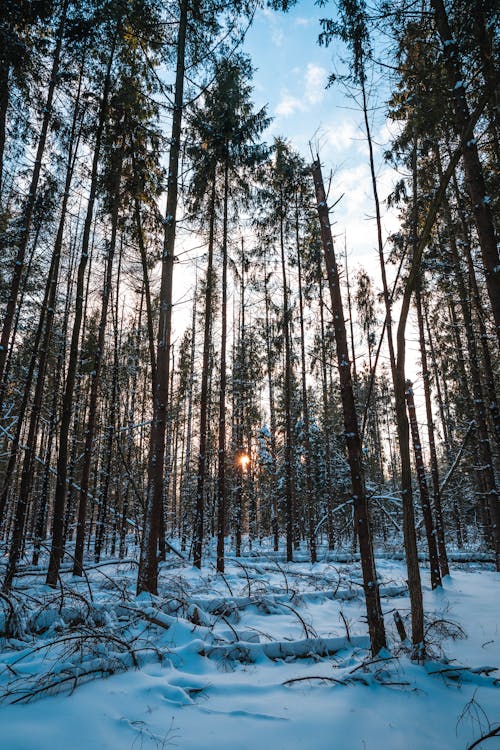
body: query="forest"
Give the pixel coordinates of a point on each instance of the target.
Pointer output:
(232, 456)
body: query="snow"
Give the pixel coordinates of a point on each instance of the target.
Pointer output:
(270, 655)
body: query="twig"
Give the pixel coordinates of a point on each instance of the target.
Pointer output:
(492, 733)
(314, 677)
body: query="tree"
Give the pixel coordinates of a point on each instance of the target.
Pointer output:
(352, 437)
(228, 130)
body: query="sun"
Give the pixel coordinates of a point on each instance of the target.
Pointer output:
(243, 461)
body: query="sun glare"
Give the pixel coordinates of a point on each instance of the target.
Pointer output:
(243, 460)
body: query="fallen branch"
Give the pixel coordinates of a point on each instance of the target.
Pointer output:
(314, 677)
(495, 732)
(277, 650)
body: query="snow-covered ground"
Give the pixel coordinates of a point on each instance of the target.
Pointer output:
(269, 656)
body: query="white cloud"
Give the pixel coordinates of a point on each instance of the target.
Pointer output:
(301, 21)
(288, 105)
(355, 213)
(389, 131)
(272, 19)
(312, 91)
(277, 36)
(315, 80)
(341, 134)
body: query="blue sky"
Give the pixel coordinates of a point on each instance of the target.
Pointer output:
(290, 77)
(291, 73)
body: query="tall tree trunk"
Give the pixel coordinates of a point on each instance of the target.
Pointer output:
(353, 441)
(436, 495)
(239, 411)
(424, 490)
(146, 284)
(326, 410)
(380, 243)
(221, 452)
(172, 416)
(487, 473)
(94, 390)
(488, 369)
(131, 426)
(272, 417)
(27, 216)
(41, 348)
(56, 551)
(472, 164)
(205, 375)
(147, 577)
(305, 407)
(410, 540)
(349, 309)
(444, 416)
(186, 476)
(287, 387)
(4, 104)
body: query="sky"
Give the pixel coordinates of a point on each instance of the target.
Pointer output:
(291, 78)
(291, 73)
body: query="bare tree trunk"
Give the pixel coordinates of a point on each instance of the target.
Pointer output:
(410, 540)
(472, 163)
(444, 416)
(186, 476)
(380, 242)
(111, 419)
(221, 475)
(419, 243)
(353, 441)
(349, 308)
(289, 503)
(205, 374)
(239, 412)
(488, 480)
(4, 104)
(147, 578)
(79, 419)
(172, 416)
(27, 216)
(326, 411)
(305, 409)
(424, 490)
(130, 437)
(488, 368)
(436, 495)
(42, 348)
(56, 551)
(146, 287)
(272, 418)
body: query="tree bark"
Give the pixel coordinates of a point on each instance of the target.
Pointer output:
(30, 204)
(289, 504)
(436, 495)
(353, 441)
(221, 450)
(41, 350)
(205, 373)
(272, 416)
(147, 578)
(424, 490)
(56, 551)
(310, 514)
(472, 164)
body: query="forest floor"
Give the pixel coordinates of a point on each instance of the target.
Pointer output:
(270, 655)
